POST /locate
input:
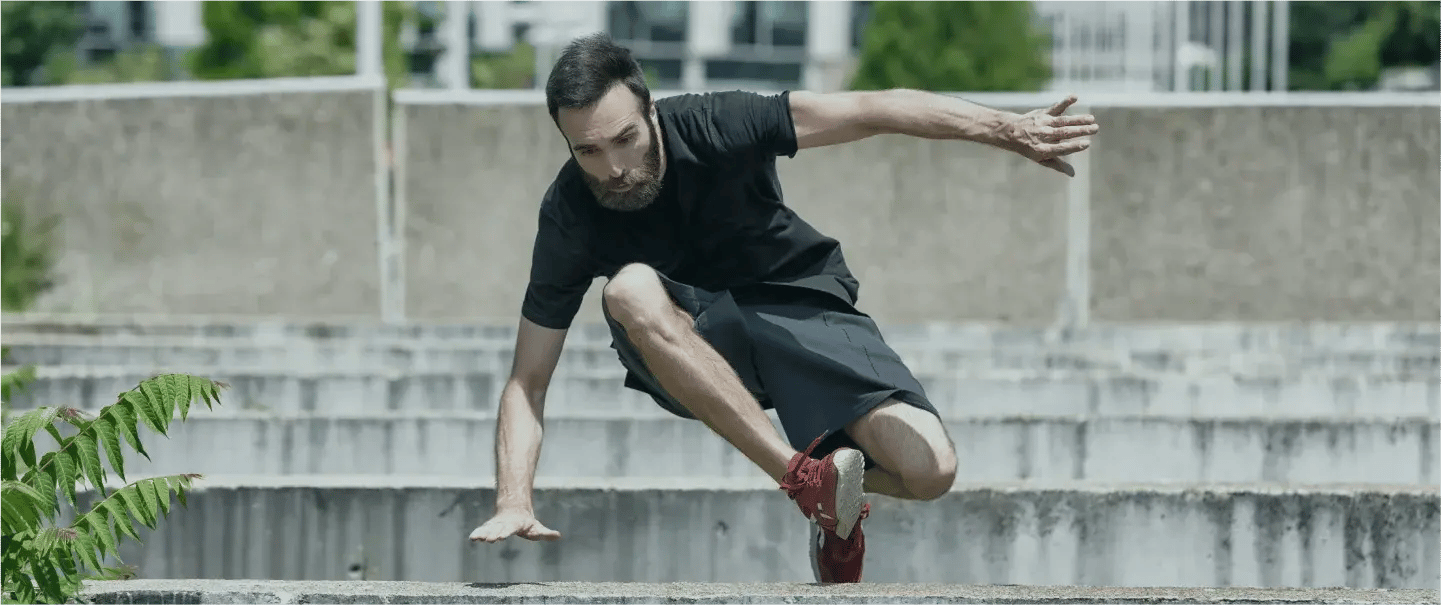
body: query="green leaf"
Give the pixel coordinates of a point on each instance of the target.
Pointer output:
(89, 458)
(21, 506)
(126, 419)
(137, 506)
(86, 547)
(121, 518)
(20, 433)
(97, 523)
(142, 407)
(160, 491)
(146, 490)
(67, 473)
(108, 434)
(163, 406)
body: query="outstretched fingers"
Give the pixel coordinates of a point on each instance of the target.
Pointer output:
(1061, 107)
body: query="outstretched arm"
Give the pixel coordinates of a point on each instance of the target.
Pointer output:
(1043, 136)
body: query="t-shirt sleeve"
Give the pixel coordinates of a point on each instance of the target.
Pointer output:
(753, 125)
(560, 273)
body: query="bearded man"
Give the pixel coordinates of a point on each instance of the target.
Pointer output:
(721, 301)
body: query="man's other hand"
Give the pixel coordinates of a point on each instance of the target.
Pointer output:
(506, 524)
(1046, 135)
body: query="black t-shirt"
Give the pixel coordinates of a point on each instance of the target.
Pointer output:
(719, 222)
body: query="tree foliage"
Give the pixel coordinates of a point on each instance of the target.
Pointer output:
(1345, 45)
(953, 46)
(45, 562)
(31, 34)
(291, 39)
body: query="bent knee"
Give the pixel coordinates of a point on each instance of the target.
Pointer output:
(636, 299)
(934, 480)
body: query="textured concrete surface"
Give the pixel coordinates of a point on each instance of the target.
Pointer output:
(264, 204)
(957, 393)
(924, 352)
(999, 449)
(742, 530)
(253, 204)
(242, 591)
(1251, 213)
(1151, 338)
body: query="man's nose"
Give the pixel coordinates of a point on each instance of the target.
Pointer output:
(616, 170)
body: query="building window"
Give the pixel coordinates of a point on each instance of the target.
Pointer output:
(861, 11)
(648, 21)
(769, 24)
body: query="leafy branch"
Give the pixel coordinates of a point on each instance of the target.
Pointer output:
(46, 563)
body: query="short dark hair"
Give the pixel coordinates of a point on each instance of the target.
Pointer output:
(588, 67)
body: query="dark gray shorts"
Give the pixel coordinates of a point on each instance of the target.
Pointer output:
(812, 357)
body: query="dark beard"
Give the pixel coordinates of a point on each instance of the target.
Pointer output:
(644, 182)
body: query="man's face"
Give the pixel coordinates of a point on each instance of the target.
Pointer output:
(616, 145)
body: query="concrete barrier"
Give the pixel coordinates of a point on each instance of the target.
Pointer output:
(251, 198)
(1152, 337)
(936, 352)
(999, 449)
(956, 393)
(717, 530)
(1205, 211)
(243, 591)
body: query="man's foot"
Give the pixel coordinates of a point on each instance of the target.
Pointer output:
(830, 492)
(835, 560)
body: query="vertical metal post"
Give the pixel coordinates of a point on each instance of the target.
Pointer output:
(369, 50)
(1181, 72)
(1280, 45)
(1235, 47)
(1259, 49)
(1216, 38)
(454, 61)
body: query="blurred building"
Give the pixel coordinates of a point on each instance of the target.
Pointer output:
(708, 44)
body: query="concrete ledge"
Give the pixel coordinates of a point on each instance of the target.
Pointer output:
(1133, 449)
(241, 591)
(959, 393)
(742, 530)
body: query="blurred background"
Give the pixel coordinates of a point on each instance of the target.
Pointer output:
(1209, 359)
(990, 46)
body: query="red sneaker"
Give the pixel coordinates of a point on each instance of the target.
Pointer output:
(830, 492)
(835, 560)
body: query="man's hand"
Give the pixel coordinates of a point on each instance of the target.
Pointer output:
(1045, 135)
(510, 523)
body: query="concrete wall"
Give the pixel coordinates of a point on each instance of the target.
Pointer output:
(1012, 448)
(260, 203)
(746, 531)
(1192, 214)
(264, 203)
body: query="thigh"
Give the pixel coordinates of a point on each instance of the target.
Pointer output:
(715, 317)
(823, 366)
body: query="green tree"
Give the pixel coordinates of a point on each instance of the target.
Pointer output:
(290, 39)
(31, 34)
(953, 47)
(1345, 45)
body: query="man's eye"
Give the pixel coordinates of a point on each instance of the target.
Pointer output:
(624, 141)
(587, 152)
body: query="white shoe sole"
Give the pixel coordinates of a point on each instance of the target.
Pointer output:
(850, 490)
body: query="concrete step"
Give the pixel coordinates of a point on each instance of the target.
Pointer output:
(279, 591)
(712, 530)
(999, 449)
(924, 356)
(1157, 337)
(957, 394)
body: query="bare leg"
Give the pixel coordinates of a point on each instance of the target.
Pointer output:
(883, 482)
(912, 447)
(691, 370)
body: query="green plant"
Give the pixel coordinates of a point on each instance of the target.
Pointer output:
(953, 47)
(44, 562)
(25, 257)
